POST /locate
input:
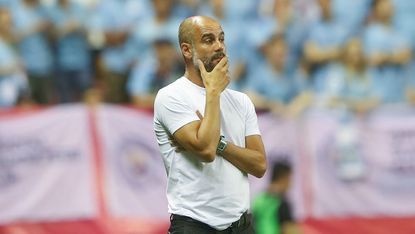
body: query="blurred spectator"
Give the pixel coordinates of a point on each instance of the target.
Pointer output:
(325, 39)
(148, 77)
(185, 8)
(13, 82)
(287, 21)
(72, 51)
(304, 89)
(191, 6)
(115, 21)
(32, 30)
(231, 10)
(9, 4)
(163, 23)
(348, 83)
(387, 52)
(359, 94)
(404, 19)
(4, 3)
(301, 76)
(307, 9)
(351, 14)
(270, 85)
(410, 83)
(271, 209)
(121, 34)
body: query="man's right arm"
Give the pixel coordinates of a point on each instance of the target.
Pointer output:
(202, 137)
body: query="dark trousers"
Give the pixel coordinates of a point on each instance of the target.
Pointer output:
(185, 225)
(116, 87)
(72, 84)
(41, 88)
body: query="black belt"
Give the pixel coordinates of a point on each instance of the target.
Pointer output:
(243, 222)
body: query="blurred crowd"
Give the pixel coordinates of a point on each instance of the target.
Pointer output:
(287, 55)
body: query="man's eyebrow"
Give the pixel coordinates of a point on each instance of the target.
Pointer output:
(208, 35)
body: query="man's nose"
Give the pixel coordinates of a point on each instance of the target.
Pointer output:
(219, 45)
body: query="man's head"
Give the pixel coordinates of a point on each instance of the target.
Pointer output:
(63, 3)
(31, 2)
(165, 53)
(202, 37)
(218, 7)
(281, 176)
(163, 8)
(325, 7)
(382, 10)
(276, 50)
(5, 22)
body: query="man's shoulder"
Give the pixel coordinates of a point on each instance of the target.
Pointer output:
(238, 96)
(175, 94)
(235, 93)
(171, 89)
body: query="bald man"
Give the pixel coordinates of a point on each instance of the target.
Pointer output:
(208, 137)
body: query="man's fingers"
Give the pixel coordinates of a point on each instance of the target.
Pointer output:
(228, 75)
(223, 62)
(201, 66)
(225, 68)
(199, 115)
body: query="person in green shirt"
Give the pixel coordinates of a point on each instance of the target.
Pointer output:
(271, 210)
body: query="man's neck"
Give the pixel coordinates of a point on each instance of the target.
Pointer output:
(194, 76)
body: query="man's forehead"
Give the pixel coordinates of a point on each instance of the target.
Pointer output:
(213, 28)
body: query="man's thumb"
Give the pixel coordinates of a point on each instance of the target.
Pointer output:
(201, 66)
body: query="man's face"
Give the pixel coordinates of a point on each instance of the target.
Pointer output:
(384, 10)
(208, 45)
(32, 2)
(166, 55)
(286, 183)
(63, 2)
(162, 7)
(325, 6)
(5, 22)
(282, 185)
(276, 53)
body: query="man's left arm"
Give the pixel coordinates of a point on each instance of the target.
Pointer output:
(250, 159)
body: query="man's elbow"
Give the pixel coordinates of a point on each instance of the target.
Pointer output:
(207, 155)
(259, 173)
(260, 170)
(203, 151)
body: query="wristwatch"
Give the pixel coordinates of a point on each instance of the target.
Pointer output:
(221, 145)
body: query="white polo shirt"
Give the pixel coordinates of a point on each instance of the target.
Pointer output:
(215, 193)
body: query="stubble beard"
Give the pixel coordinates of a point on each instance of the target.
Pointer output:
(208, 65)
(207, 62)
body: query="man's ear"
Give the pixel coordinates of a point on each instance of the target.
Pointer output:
(186, 50)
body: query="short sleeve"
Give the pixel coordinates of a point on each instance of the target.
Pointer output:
(173, 112)
(251, 118)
